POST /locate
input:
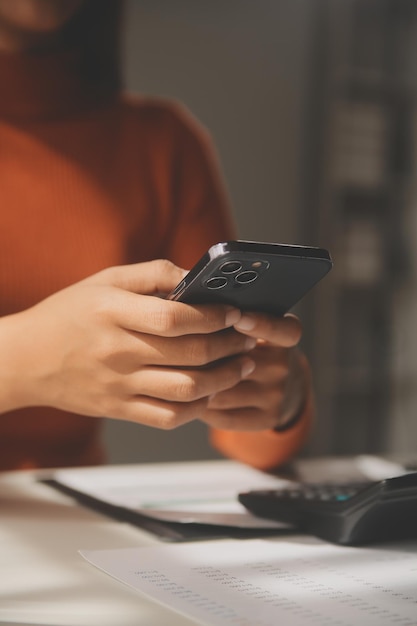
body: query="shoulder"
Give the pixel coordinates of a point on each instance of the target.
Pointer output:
(168, 118)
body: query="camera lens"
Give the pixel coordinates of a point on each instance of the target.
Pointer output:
(231, 267)
(246, 277)
(217, 282)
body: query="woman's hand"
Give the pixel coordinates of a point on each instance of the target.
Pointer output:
(109, 346)
(275, 391)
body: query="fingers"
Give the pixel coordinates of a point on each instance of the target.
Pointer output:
(152, 411)
(280, 331)
(246, 394)
(166, 318)
(263, 389)
(179, 385)
(250, 405)
(160, 276)
(170, 398)
(254, 403)
(189, 350)
(242, 419)
(161, 414)
(270, 396)
(128, 352)
(131, 301)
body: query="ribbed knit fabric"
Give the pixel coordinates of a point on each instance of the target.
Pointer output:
(90, 180)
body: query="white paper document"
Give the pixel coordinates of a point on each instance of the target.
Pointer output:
(297, 582)
(202, 491)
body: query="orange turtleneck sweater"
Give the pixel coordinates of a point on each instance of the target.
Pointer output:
(88, 182)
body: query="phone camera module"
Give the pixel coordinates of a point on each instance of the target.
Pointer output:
(246, 277)
(231, 267)
(217, 282)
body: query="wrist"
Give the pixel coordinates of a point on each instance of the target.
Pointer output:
(297, 393)
(14, 362)
(290, 420)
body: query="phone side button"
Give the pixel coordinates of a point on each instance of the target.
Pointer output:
(178, 288)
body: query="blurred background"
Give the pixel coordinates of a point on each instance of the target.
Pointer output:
(312, 105)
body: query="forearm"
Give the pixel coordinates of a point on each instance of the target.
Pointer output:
(15, 362)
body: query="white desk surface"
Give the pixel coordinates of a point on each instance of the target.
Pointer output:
(43, 579)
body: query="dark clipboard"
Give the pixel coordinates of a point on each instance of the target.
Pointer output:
(167, 531)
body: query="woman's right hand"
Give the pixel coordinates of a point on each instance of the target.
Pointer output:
(110, 346)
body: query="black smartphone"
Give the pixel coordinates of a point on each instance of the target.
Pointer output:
(254, 276)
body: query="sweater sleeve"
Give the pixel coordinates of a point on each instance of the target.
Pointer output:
(203, 217)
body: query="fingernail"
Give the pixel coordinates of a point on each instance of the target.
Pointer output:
(232, 316)
(246, 322)
(250, 343)
(247, 367)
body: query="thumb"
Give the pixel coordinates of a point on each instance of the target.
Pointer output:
(151, 277)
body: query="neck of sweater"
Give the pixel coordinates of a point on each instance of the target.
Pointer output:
(47, 86)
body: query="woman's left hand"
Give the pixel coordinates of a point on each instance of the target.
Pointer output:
(275, 392)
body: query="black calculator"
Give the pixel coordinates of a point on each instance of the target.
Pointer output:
(349, 514)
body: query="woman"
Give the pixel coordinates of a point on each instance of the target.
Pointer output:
(95, 185)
